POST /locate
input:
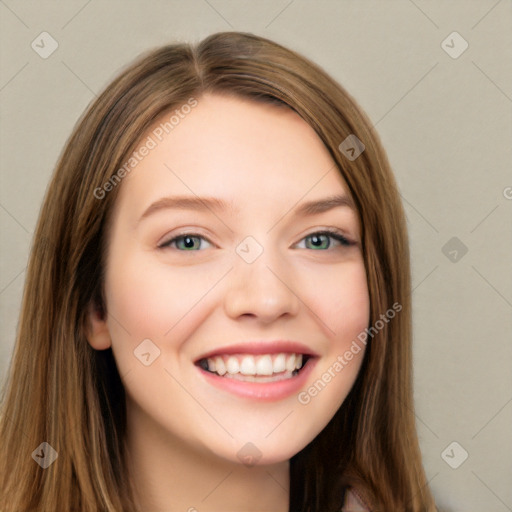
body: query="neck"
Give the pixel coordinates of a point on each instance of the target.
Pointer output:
(169, 475)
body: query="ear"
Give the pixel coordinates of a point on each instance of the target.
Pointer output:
(96, 331)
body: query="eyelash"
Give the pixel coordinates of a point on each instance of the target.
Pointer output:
(345, 242)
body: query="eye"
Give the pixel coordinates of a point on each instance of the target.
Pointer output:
(319, 240)
(185, 242)
(322, 239)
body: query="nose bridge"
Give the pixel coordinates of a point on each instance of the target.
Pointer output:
(260, 283)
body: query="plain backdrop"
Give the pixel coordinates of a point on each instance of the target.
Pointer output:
(444, 114)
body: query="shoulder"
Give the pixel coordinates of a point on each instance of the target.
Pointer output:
(354, 502)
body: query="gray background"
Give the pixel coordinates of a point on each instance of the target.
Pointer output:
(447, 127)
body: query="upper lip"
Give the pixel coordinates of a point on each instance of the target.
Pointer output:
(261, 347)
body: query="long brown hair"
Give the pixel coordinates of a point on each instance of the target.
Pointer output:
(61, 391)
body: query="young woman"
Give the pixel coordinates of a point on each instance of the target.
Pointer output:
(216, 313)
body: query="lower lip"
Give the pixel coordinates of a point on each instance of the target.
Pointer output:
(264, 391)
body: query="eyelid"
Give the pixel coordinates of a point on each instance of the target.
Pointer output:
(334, 233)
(166, 243)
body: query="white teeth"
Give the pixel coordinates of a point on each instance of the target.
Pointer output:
(280, 363)
(252, 378)
(249, 365)
(220, 366)
(264, 366)
(290, 363)
(232, 365)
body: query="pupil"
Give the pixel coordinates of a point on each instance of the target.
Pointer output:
(316, 240)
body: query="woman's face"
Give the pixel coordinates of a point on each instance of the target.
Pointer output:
(214, 263)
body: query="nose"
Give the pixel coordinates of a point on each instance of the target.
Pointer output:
(263, 289)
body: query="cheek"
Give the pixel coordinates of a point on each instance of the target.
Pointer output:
(343, 304)
(345, 308)
(152, 301)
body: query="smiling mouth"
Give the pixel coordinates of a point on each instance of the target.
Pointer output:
(255, 368)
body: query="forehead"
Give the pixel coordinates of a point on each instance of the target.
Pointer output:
(238, 150)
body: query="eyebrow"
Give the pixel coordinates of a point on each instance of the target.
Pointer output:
(216, 205)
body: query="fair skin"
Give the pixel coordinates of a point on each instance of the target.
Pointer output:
(186, 437)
